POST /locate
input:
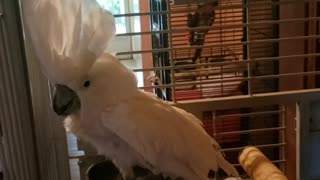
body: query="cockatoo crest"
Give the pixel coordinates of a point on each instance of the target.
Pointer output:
(67, 35)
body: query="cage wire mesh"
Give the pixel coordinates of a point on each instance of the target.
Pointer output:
(205, 49)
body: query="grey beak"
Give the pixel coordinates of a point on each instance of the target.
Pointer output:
(65, 101)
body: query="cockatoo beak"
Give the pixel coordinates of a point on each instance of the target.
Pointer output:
(65, 101)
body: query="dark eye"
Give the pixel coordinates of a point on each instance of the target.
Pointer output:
(86, 84)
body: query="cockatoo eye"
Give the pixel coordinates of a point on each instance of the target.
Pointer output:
(86, 83)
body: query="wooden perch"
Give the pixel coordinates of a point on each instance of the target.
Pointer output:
(258, 166)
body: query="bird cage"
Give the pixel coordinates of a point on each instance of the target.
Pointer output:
(249, 69)
(217, 67)
(244, 49)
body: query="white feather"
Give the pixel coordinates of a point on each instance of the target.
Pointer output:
(107, 143)
(67, 35)
(170, 139)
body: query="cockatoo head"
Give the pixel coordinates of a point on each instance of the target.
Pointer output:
(106, 82)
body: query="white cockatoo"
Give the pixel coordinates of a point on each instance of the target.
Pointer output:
(100, 99)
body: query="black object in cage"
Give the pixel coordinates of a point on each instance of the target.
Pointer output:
(159, 22)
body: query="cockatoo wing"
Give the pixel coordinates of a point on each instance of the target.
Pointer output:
(67, 35)
(169, 138)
